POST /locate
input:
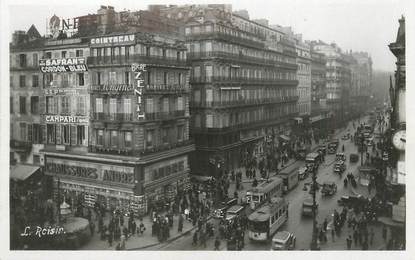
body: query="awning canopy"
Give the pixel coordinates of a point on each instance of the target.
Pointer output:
(390, 222)
(284, 137)
(22, 172)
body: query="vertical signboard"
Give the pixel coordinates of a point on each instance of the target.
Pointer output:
(138, 70)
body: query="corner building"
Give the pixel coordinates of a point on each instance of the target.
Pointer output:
(140, 119)
(243, 86)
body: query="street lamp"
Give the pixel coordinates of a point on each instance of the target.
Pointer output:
(362, 138)
(314, 245)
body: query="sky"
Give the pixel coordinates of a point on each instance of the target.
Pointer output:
(357, 25)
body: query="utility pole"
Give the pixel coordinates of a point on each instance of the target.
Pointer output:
(59, 198)
(313, 245)
(361, 148)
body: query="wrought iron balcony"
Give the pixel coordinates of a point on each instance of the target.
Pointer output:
(241, 103)
(242, 80)
(240, 58)
(139, 58)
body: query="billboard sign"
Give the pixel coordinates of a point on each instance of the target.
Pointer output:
(63, 65)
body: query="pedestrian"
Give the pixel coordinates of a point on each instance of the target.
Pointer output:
(349, 242)
(384, 232)
(217, 244)
(332, 235)
(372, 235)
(194, 239)
(355, 237)
(110, 237)
(180, 224)
(325, 225)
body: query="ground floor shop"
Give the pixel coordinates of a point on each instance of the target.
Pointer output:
(88, 182)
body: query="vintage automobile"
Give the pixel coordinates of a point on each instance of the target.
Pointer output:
(220, 212)
(283, 240)
(354, 158)
(340, 157)
(339, 167)
(351, 200)
(329, 188)
(345, 137)
(308, 208)
(385, 156)
(332, 147)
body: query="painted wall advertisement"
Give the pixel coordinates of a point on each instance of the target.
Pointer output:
(63, 65)
(89, 171)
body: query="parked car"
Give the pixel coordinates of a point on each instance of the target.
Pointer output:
(283, 240)
(329, 188)
(354, 158)
(385, 156)
(340, 157)
(220, 212)
(351, 200)
(345, 137)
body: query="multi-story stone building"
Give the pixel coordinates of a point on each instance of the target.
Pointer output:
(25, 97)
(361, 87)
(243, 86)
(320, 115)
(338, 79)
(113, 110)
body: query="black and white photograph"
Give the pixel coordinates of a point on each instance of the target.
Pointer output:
(197, 126)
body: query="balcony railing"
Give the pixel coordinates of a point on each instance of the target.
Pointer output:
(240, 39)
(112, 117)
(244, 80)
(242, 126)
(239, 58)
(237, 103)
(164, 115)
(127, 60)
(143, 152)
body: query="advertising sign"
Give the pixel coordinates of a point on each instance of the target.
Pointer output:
(62, 91)
(116, 88)
(63, 65)
(91, 171)
(113, 40)
(66, 119)
(138, 69)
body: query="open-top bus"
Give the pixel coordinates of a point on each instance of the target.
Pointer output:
(267, 219)
(264, 191)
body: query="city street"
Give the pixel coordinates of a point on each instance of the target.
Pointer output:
(297, 224)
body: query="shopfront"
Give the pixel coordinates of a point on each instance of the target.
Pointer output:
(165, 179)
(89, 182)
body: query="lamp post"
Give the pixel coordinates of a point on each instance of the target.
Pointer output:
(314, 245)
(362, 138)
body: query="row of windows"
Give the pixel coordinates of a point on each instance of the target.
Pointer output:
(22, 58)
(24, 83)
(279, 213)
(152, 105)
(149, 77)
(34, 105)
(244, 94)
(67, 134)
(209, 28)
(139, 49)
(28, 133)
(235, 49)
(246, 72)
(65, 80)
(243, 117)
(66, 105)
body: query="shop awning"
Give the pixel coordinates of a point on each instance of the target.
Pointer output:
(284, 137)
(298, 119)
(390, 222)
(22, 172)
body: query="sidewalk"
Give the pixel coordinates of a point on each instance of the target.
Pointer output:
(136, 242)
(340, 241)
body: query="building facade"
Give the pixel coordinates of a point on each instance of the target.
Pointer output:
(26, 86)
(338, 80)
(243, 86)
